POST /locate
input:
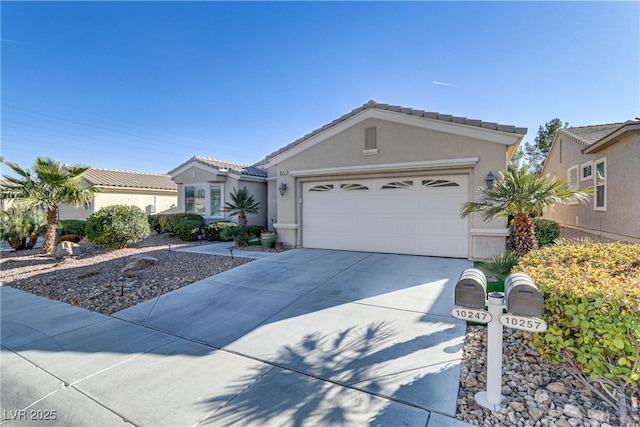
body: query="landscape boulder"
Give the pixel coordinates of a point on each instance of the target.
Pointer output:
(67, 249)
(75, 238)
(136, 263)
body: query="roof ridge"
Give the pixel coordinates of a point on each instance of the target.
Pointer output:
(576, 138)
(219, 160)
(125, 171)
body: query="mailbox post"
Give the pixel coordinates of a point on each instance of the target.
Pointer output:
(525, 306)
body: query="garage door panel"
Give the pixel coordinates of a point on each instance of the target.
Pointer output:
(421, 219)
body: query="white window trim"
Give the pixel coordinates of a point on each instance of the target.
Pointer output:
(602, 208)
(207, 198)
(582, 166)
(571, 184)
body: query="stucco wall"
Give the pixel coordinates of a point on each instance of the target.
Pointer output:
(621, 219)
(396, 143)
(108, 197)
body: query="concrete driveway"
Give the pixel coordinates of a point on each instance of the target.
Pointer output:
(304, 337)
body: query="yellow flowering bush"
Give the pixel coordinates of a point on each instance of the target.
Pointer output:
(592, 308)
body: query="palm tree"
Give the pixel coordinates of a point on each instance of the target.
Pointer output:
(241, 204)
(20, 226)
(49, 185)
(521, 194)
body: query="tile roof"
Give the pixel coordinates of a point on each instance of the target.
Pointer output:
(409, 111)
(239, 168)
(126, 179)
(588, 135)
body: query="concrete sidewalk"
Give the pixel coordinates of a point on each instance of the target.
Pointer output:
(303, 337)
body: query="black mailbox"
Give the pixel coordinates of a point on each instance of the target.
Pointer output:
(471, 289)
(523, 296)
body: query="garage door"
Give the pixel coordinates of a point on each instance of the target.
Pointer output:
(410, 215)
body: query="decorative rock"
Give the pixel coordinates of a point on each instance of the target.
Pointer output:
(67, 249)
(137, 262)
(601, 416)
(562, 423)
(557, 388)
(572, 411)
(542, 396)
(75, 238)
(517, 406)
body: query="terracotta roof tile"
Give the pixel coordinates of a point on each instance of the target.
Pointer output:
(128, 179)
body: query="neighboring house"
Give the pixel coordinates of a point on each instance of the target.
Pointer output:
(153, 193)
(385, 178)
(607, 159)
(204, 185)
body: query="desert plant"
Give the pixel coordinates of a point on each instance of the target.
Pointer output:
(212, 231)
(230, 233)
(188, 229)
(592, 306)
(547, 232)
(519, 194)
(500, 265)
(21, 226)
(117, 225)
(241, 204)
(49, 185)
(255, 230)
(71, 226)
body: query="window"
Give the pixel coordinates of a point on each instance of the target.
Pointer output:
(215, 201)
(397, 184)
(322, 187)
(194, 199)
(587, 171)
(439, 183)
(353, 187)
(204, 199)
(572, 177)
(600, 183)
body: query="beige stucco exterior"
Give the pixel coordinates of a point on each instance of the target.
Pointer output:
(620, 218)
(195, 173)
(405, 145)
(164, 201)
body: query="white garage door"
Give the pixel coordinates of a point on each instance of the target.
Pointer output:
(409, 215)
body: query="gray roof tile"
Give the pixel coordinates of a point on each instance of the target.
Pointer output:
(588, 135)
(239, 168)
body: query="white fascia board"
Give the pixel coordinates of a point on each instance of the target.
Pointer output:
(285, 226)
(389, 167)
(499, 232)
(475, 132)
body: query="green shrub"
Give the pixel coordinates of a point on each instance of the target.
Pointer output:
(168, 222)
(71, 226)
(255, 230)
(212, 231)
(230, 233)
(592, 307)
(20, 226)
(117, 225)
(188, 229)
(154, 222)
(547, 232)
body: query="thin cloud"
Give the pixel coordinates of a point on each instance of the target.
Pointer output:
(444, 84)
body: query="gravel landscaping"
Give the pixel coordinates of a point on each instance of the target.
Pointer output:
(536, 393)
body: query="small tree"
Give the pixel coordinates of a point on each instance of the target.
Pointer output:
(117, 225)
(241, 204)
(521, 194)
(49, 185)
(533, 155)
(21, 226)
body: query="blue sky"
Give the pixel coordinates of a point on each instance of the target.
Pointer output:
(144, 86)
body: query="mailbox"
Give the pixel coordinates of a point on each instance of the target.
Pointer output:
(471, 289)
(523, 296)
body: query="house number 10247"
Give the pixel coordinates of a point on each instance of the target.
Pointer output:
(479, 316)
